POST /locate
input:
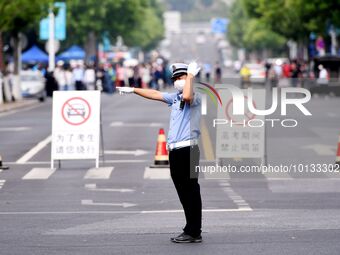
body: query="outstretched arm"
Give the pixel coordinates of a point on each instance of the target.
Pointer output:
(149, 94)
(146, 93)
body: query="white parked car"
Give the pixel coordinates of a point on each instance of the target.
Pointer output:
(33, 84)
(200, 38)
(257, 73)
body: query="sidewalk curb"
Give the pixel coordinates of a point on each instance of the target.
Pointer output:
(7, 107)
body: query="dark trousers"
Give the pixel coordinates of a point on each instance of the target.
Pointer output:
(182, 168)
(80, 85)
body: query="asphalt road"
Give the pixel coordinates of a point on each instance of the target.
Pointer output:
(127, 208)
(133, 210)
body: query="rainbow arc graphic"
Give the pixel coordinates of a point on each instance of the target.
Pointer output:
(211, 92)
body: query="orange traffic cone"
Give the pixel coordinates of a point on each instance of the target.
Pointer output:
(337, 161)
(1, 166)
(161, 156)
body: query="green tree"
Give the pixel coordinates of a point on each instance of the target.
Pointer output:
(257, 36)
(315, 14)
(236, 28)
(17, 16)
(246, 30)
(296, 19)
(267, 23)
(137, 21)
(282, 16)
(148, 32)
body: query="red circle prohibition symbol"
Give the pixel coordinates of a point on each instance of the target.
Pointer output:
(248, 114)
(80, 112)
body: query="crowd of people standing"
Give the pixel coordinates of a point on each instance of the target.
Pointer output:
(294, 73)
(107, 76)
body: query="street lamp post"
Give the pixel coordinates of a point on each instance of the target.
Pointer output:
(51, 52)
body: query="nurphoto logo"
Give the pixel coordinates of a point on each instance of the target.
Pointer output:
(241, 98)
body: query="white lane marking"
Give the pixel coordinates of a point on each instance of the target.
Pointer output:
(122, 124)
(235, 197)
(106, 161)
(99, 173)
(5, 129)
(39, 174)
(2, 183)
(34, 150)
(124, 205)
(93, 187)
(124, 152)
(224, 184)
(157, 173)
(125, 212)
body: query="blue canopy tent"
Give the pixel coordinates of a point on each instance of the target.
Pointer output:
(34, 54)
(75, 52)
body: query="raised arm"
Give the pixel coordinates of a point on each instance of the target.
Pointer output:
(188, 93)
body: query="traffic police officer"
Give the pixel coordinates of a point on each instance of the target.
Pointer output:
(182, 144)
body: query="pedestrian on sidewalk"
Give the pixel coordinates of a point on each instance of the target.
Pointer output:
(323, 76)
(207, 71)
(78, 77)
(218, 73)
(245, 77)
(60, 75)
(120, 76)
(182, 143)
(90, 77)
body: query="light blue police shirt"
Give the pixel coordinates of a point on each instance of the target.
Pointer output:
(185, 123)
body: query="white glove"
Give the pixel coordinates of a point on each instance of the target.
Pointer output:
(193, 68)
(125, 90)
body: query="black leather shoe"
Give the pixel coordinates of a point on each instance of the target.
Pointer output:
(184, 238)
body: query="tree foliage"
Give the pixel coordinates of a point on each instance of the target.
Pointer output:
(139, 22)
(296, 19)
(248, 31)
(259, 37)
(238, 21)
(18, 15)
(267, 23)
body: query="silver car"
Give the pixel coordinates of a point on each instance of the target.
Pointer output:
(257, 73)
(33, 84)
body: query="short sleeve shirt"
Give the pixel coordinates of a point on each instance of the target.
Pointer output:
(184, 123)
